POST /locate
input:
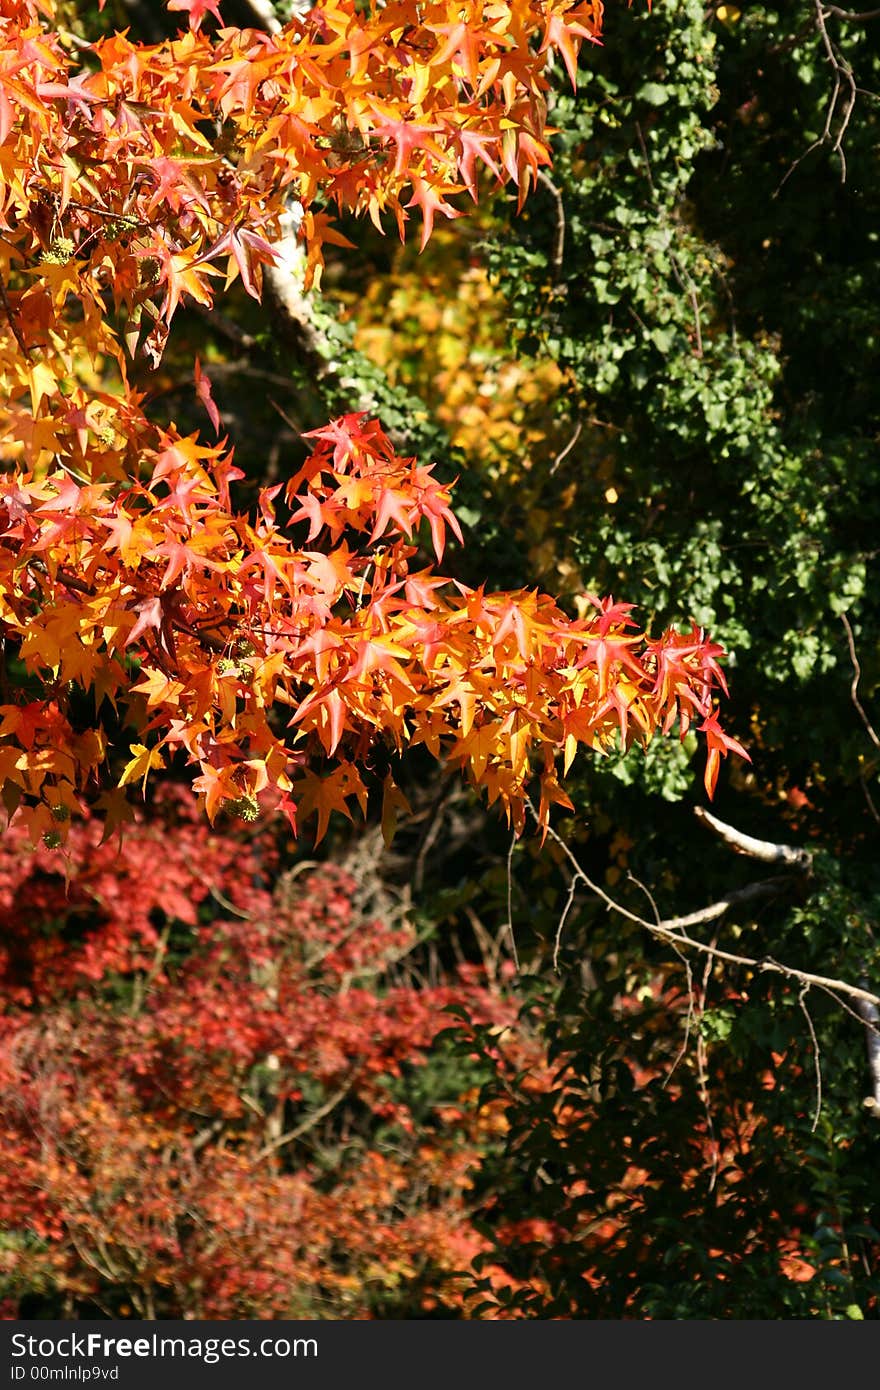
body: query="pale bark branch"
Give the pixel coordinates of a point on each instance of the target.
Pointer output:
(312, 1119)
(851, 16)
(766, 850)
(672, 932)
(299, 319)
(557, 258)
(870, 1016)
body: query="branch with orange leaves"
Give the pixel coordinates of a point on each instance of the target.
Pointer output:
(139, 172)
(274, 666)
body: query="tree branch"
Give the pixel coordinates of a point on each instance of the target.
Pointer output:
(843, 93)
(313, 1118)
(854, 688)
(556, 259)
(851, 16)
(870, 1016)
(673, 932)
(13, 321)
(766, 850)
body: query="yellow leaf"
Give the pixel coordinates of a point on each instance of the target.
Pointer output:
(141, 764)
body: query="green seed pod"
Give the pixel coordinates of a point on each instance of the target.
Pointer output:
(60, 812)
(51, 839)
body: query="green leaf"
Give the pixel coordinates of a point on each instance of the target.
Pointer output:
(653, 93)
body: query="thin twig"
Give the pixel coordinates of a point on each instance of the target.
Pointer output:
(672, 931)
(644, 149)
(568, 448)
(851, 16)
(313, 1118)
(13, 321)
(572, 889)
(703, 1075)
(843, 94)
(802, 1001)
(854, 688)
(432, 830)
(689, 1018)
(559, 245)
(869, 800)
(513, 949)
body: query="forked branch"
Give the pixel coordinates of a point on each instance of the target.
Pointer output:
(674, 930)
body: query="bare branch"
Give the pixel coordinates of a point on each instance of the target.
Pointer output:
(869, 800)
(556, 259)
(313, 1118)
(767, 888)
(13, 321)
(672, 932)
(568, 448)
(802, 1001)
(851, 16)
(854, 688)
(842, 101)
(870, 1016)
(510, 899)
(766, 850)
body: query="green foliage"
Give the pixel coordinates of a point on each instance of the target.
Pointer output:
(712, 313)
(695, 315)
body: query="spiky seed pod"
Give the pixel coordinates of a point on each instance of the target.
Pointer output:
(59, 252)
(245, 807)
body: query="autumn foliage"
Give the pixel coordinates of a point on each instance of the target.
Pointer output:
(440, 1068)
(233, 1090)
(268, 657)
(212, 1094)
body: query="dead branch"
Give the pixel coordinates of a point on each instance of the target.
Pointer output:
(313, 1118)
(851, 16)
(817, 1056)
(568, 448)
(673, 933)
(854, 688)
(766, 850)
(870, 1016)
(766, 888)
(556, 259)
(844, 91)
